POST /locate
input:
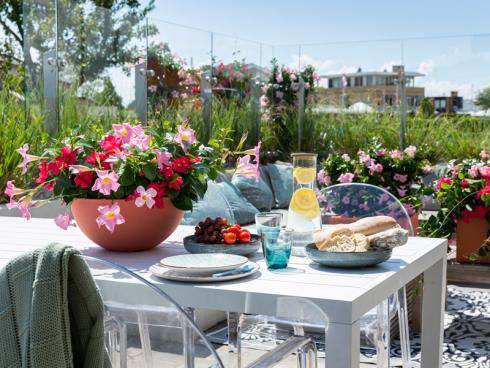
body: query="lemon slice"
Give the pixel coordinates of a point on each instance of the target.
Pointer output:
(304, 175)
(304, 203)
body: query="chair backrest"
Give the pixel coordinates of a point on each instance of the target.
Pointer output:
(346, 203)
(144, 327)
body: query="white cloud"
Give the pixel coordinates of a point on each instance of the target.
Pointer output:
(343, 69)
(389, 65)
(444, 88)
(426, 67)
(321, 65)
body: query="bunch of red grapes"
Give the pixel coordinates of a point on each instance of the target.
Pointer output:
(211, 231)
(219, 231)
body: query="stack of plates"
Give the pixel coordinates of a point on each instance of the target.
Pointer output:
(204, 267)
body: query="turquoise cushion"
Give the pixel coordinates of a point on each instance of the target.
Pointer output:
(281, 177)
(257, 193)
(221, 200)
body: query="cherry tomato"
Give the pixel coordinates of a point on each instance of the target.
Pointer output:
(230, 238)
(244, 236)
(235, 229)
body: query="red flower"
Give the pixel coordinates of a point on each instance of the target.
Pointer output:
(441, 181)
(196, 90)
(84, 179)
(53, 168)
(111, 144)
(160, 188)
(43, 172)
(181, 165)
(175, 185)
(97, 159)
(483, 191)
(196, 159)
(465, 183)
(167, 171)
(479, 212)
(197, 104)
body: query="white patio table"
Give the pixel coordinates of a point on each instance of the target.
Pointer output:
(345, 295)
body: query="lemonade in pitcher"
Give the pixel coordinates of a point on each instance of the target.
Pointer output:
(304, 211)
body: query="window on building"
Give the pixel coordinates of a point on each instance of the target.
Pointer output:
(358, 81)
(369, 80)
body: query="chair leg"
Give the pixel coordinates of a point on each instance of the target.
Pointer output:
(307, 356)
(233, 319)
(144, 331)
(383, 335)
(404, 328)
(188, 336)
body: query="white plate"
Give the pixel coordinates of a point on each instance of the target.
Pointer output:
(169, 274)
(203, 264)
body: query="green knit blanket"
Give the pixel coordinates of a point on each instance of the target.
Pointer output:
(51, 313)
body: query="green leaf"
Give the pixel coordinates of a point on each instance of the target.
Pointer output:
(150, 171)
(182, 203)
(128, 176)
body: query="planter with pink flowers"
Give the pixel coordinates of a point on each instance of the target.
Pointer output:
(127, 189)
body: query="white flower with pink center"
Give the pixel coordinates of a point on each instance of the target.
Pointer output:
(145, 197)
(110, 216)
(106, 182)
(185, 136)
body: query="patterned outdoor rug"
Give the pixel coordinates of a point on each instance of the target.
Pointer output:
(466, 332)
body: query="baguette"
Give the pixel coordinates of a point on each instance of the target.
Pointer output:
(344, 234)
(388, 239)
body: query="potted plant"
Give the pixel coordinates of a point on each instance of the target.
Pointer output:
(464, 196)
(128, 188)
(399, 172)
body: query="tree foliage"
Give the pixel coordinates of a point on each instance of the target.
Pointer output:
(483, 99)
(92, 35)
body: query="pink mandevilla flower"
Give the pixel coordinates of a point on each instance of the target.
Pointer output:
(139, 138)
(145, 197)
(346, 178)
(396, 155)
(474, 171)
(163, 158)
(402, 192)
(264, 88)
(279, 94)
(185, 136)
(293, 77)
(401, 178)
(246, 167)
(64, 221)
(10, 189)
(279, 78)
(123, 131)
(364, 159)
(181, 73)
(106, 182)
(26, 158)
(484, 155)
(427, 169)
(316, 76)
(263, 101)
(346, 157)
(307, 85)
(110, 216)
(410, 151)
(23, 207)
(381, 152)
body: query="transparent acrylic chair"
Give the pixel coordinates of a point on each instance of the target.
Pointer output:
(171, 338)
(341, 204)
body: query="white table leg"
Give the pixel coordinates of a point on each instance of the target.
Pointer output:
(342, 345)
(433, 314)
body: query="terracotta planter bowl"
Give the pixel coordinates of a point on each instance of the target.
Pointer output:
(469, 237)
(144, 228)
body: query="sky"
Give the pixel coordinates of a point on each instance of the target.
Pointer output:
(327, 31)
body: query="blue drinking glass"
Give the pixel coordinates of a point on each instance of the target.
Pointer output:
(277, 248)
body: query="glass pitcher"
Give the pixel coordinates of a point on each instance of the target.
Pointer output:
(304, 215)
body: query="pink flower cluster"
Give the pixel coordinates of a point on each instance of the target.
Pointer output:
(250, 167)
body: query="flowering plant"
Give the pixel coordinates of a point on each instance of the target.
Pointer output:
(132, 163)
(398, 172)
(463, 193)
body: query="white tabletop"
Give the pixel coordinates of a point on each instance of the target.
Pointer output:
(335, 290)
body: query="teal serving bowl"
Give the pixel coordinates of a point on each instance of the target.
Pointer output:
(347, 259)
(240, 249)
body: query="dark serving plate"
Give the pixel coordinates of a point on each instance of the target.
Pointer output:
(241, 249)
(347, 259)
